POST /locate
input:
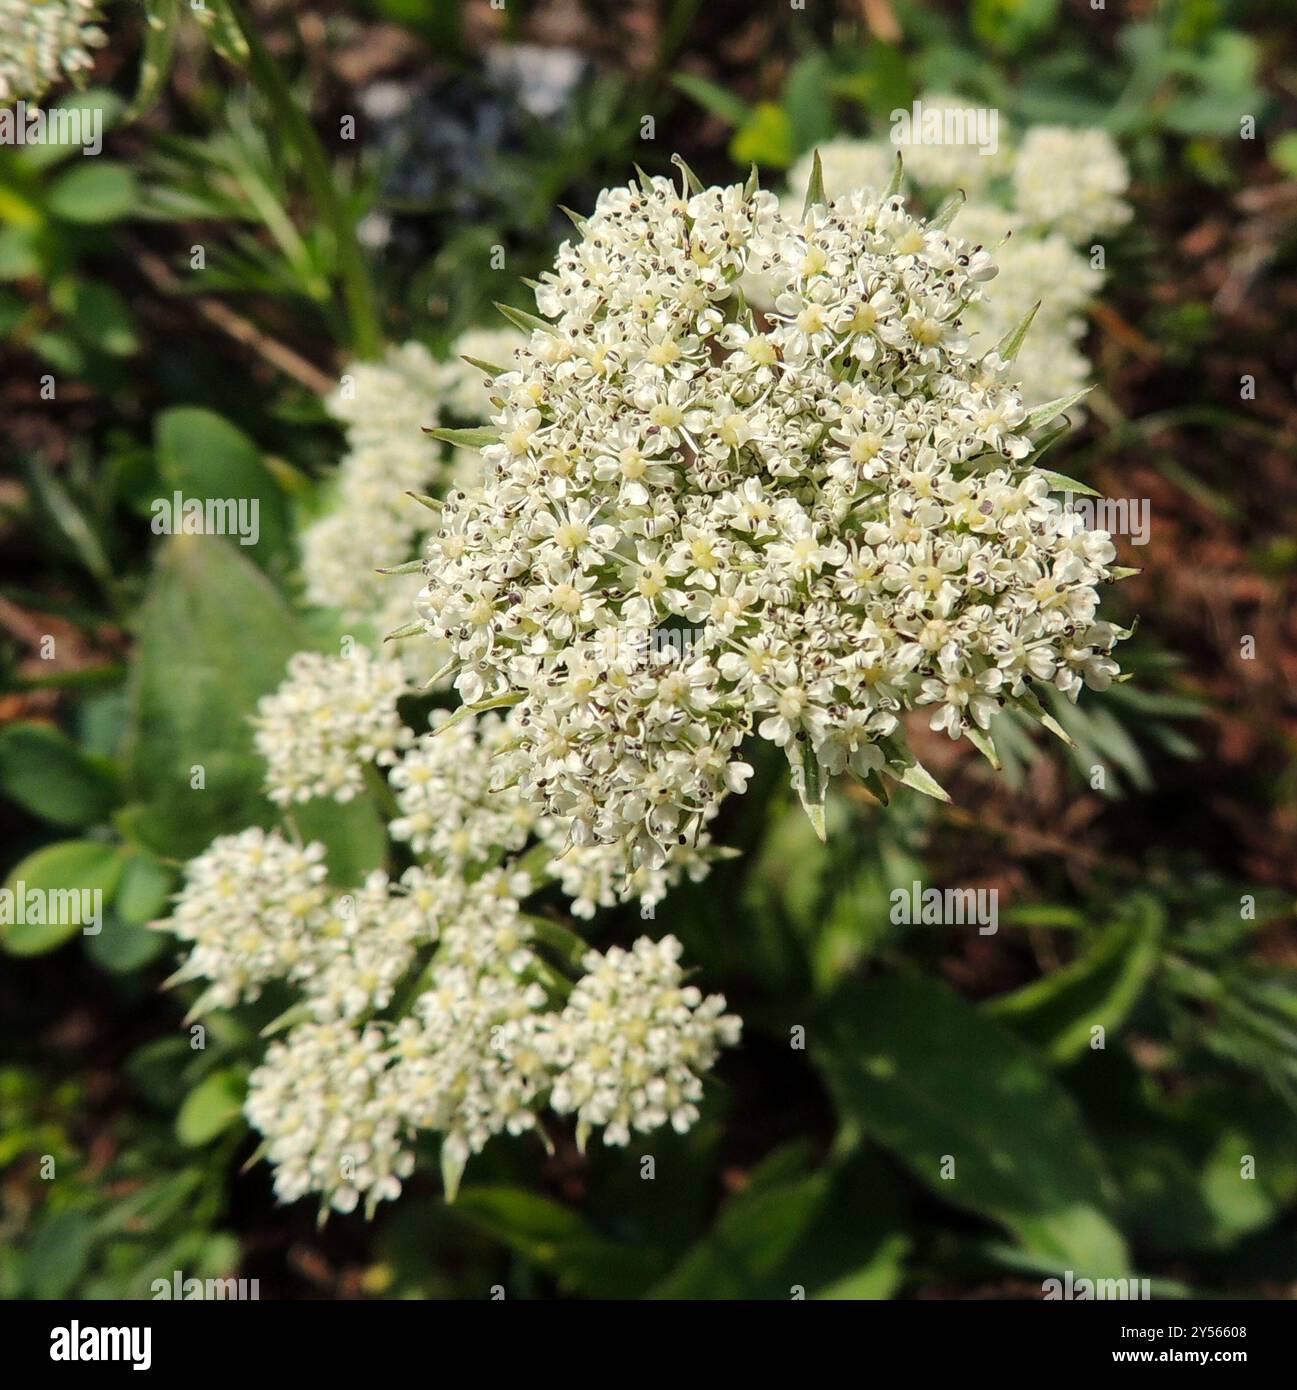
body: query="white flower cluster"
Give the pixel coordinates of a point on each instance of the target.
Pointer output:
(327, 1104)
(454, 810)
(443, 788)
(257, 908)
(247, 905)
(478, 1048)
(387, 408)
(631, 1040)
(43, 42)
(1036, 208)
(329, 720)
(834, 505)
(1072, 181)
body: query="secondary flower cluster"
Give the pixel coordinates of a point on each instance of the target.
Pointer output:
(432, 1002)
(1038, 205)
(484, 1043)
(373, 524)
(829, 512)
(43, 42)
(327, 721)
(334, 718)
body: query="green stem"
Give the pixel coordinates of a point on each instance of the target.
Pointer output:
(366, 333)
(381, 790)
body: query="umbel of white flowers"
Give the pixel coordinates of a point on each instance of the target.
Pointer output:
(434, 1002)
(374, 522)
(43, 42)
(1041, 202)
(491, 1033)
(836, 501)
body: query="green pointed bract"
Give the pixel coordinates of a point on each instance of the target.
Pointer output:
(467, 439)
(440, 674)
(489, 368)
(1051, 410)
(692, 182)
(256, 1156)
(815, 188)
(1040, 447)
(810, 784)
(454, 1159)
(984, 744)
(1123, 572)
(574, 218)
(1007, 348)
(897, 179)
(514, 697)
(433, 504)
(753, 183)
(520, 318)
(947, 212)
(410, 567)
(873, 782)
(1031, 703)
(409, 630)
(902, 766)
(1060, 482)
(299, 1013)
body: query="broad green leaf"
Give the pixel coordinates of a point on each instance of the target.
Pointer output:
(972, 1113)
(99, 314)
(1099, 988)
(122, 946)
(95, 191)
(162, 26)
(555, 1237)
(808, 100)
(59, 1253)
(58, 890)
(211, 1107)
(146, 886)
(214, 635)
(203, 457)
(47, 774)
(788, 1238)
